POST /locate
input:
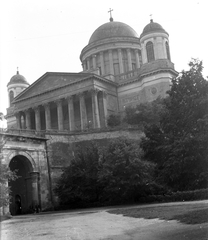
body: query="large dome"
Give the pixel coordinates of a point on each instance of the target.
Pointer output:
(112, 29)
(152, 27)
(18, 79)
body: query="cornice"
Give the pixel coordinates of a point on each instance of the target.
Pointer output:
(140, 77)
(109, 41)
(91, 77)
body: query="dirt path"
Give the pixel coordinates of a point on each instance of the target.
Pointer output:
(96, 226)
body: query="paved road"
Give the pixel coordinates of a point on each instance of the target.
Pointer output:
(96, 225)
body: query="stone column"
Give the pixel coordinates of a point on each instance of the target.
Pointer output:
(83, 113)
(47, 116)
(95, 110)
(110, 53)
(155, 47)
(18, 120)
(84, 66)
(137, 58)
(88, 64)
(102, 63)
(28, 119)
(105, 107)
(71, 113)
(129, 59)
(94, 61)
(60, 115)
(37, 119)
(120, 59)
(34, 179)
(144, 53)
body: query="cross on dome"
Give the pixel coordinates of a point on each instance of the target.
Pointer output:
(110, 10)
(151, 20)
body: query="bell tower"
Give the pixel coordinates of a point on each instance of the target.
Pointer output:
(16, 85)
(155, 43)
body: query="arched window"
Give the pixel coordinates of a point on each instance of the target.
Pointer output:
(150, 52)
(167, 50)
(11, 97)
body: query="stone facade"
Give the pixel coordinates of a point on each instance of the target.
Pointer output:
(120, 69)
(27, 155)
(39, 161)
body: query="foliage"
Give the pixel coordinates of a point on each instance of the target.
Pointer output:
(114, 120)
(178, 144)
(60, 153)
(112, 174)
(5, 176)
(194, 195)
(124, 174)
(78, 183)
(145, 113)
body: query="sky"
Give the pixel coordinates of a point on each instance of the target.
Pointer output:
(40, 36)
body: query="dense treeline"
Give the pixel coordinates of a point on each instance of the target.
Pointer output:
(113, 174)
(173, 155)
(178, 143)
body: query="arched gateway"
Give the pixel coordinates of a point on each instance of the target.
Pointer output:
(27, 156)
(25, 195)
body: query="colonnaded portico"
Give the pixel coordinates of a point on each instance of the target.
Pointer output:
(85, 110)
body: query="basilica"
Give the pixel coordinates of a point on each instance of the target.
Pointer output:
(119, 69)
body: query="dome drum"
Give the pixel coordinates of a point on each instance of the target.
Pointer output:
(117, 42)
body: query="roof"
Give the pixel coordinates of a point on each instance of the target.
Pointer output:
(112, 29)
(18, 79)
(152, 27)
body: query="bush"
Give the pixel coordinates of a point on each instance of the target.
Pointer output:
(195, 195)
(114, 120)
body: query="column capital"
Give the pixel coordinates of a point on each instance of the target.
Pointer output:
(136, 50)
(110, 50)
(36, 108)
(58, 102)
(119, 50)
(17, 114)
(69, 98)
(46, 105)
(81, 94)
(94, 91)
(101, 53)
(27, 110)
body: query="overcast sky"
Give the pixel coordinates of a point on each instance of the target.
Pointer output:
(48, 36)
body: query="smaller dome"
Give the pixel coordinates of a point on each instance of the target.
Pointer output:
(152, 27)
(18, 79)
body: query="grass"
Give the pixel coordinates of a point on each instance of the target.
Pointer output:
(185, 213)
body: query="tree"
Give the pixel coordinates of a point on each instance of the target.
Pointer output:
(112, 174)
(78, 183)
(5, 176)
(145, 113)
(114, 120)
(178, 144)
(124, 174)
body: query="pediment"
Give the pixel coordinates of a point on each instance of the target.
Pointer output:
(50, 81)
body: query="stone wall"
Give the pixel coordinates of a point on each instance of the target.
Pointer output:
(61, 147)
